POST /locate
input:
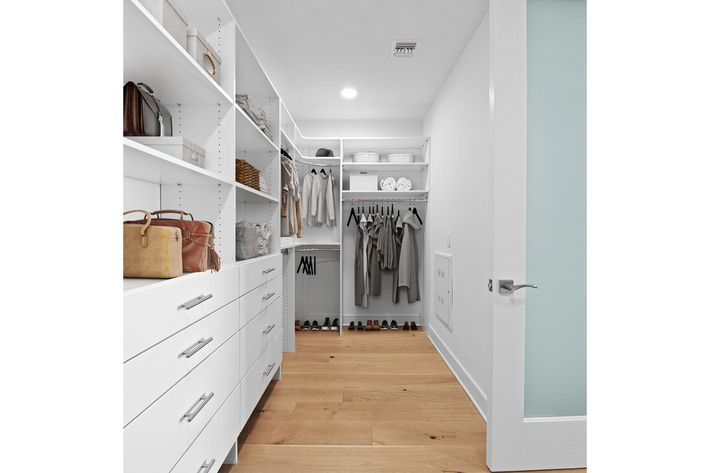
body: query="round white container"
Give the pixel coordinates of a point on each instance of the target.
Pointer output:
(369, 157)
(400, 158)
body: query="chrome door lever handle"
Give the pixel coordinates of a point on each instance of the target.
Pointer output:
(507, 286)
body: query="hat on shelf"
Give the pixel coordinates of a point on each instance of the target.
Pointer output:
(324, 153)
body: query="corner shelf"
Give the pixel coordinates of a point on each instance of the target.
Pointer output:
(148, 164)
(246, 193)
(250, 136)
(151, 55)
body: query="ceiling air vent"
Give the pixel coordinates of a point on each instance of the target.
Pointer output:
(404, 48)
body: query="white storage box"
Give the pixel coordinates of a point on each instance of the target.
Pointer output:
(369, 157)
(176, 146)
(203, 53)
(363, 181)
(400, 158)
(171, 17)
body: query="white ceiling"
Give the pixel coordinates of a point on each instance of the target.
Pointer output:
(311, 49)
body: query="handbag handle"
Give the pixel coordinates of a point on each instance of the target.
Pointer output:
(181, 212)
(144, 229)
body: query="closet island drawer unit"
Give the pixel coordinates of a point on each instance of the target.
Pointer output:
(258, 334)
(157, 438)
(154, 312)
(256, 300)
(257, 379)
(257, 272)
(150, 374)
(210, 449)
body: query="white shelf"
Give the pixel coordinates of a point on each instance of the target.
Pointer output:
(133, 286)
(151, 55)
(253, 260)
(401, 195)
(246, 193)
(250, 137)
(385, 143)
(301, 244)
(148, 164)
(384, 166)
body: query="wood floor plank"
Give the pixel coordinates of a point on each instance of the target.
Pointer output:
(426, 433)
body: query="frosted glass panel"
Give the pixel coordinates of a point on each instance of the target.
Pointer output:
(556, 317)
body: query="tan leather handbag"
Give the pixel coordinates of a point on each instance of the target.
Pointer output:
(198, 253)
(151, 251)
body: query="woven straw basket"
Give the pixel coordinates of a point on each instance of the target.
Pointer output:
(247, 174)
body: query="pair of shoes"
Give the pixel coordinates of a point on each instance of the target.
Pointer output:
(330, 326)
(351, 326)
(359, 326)
(368, 326)
(326, 324)
(412, 326)
(298, 326)
(393, 325)
(376, 325)
(385, 325)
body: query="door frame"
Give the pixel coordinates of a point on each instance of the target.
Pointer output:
(513, 441)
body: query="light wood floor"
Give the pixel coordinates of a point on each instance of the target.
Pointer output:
(367, 402)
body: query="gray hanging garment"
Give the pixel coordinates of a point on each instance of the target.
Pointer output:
(373, 265)
(408, 271)
(397, 241)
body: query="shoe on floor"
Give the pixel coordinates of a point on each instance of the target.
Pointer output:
(368, 326)
(335, 325)
(393, 325)
(326, 324)
(406, 326)
(351, 326)
(376, 325)
(315, 326)
(413, 325)
(306, 325)
(298, 326)
(359, 326)
(385, 325)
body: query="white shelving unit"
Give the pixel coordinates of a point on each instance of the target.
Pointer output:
(375, 195)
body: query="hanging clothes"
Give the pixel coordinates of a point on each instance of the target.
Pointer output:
(330, 201)
(290, 200)
(361, 282)
(373, 262)
(322, 208)
(316, 192)
(408, 271)
(306, 198)
(397, 229)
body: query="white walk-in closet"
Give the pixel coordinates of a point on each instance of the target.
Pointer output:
(289, 245)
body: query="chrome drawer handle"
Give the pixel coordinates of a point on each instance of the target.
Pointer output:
(206, 466)
(193, 302)
(268, 296)
(268, 329)
(197, 346)
(271, 367)
(197, 406)
(267, 271)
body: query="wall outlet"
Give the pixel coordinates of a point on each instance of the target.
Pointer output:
(448, 239)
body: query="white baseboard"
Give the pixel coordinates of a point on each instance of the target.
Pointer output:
(469, 385)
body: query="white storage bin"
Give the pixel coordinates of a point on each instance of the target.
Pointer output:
(171, 17)
(176, 146)
(363, 181)
(203, 53)
(400, 158)
(368, 157)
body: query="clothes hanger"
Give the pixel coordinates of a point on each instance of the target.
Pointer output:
(416, 214)
(352, 214)
(299, 266)
(314, 171)
(314, 265)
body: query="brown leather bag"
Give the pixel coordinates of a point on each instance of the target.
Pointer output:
(198, 253)
(143, 113)
(150, 251)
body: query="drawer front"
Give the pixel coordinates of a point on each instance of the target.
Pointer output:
(154, 315)
(256, 273)
(255, 301)
(150, 374)
(157, 438)
(258, 334)
(259, 376)
(212, 446)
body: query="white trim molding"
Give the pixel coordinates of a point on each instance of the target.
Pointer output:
(469, 385)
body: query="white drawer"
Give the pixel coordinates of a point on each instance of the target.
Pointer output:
(157, 438)
(257, 272)
(150, 374)
(156, 313)
(253, 302)
(214, 443)
(259, 376)
(258, 334)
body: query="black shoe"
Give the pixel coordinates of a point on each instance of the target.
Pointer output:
(359, 326)
(351, 326)
(315, 326)
(393, 325)
(336, 324)
(326, 324)
(385, 325)
(306, 325)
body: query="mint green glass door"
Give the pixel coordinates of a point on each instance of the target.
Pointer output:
(556, 317)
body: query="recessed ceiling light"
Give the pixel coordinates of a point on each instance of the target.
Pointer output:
(348, 93)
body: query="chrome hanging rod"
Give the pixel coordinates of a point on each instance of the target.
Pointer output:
(393, 200)
(318, 249)
(314, 165)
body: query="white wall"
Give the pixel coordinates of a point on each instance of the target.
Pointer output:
(458, 124)
(356, 128)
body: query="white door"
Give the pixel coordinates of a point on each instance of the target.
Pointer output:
(537, 410)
